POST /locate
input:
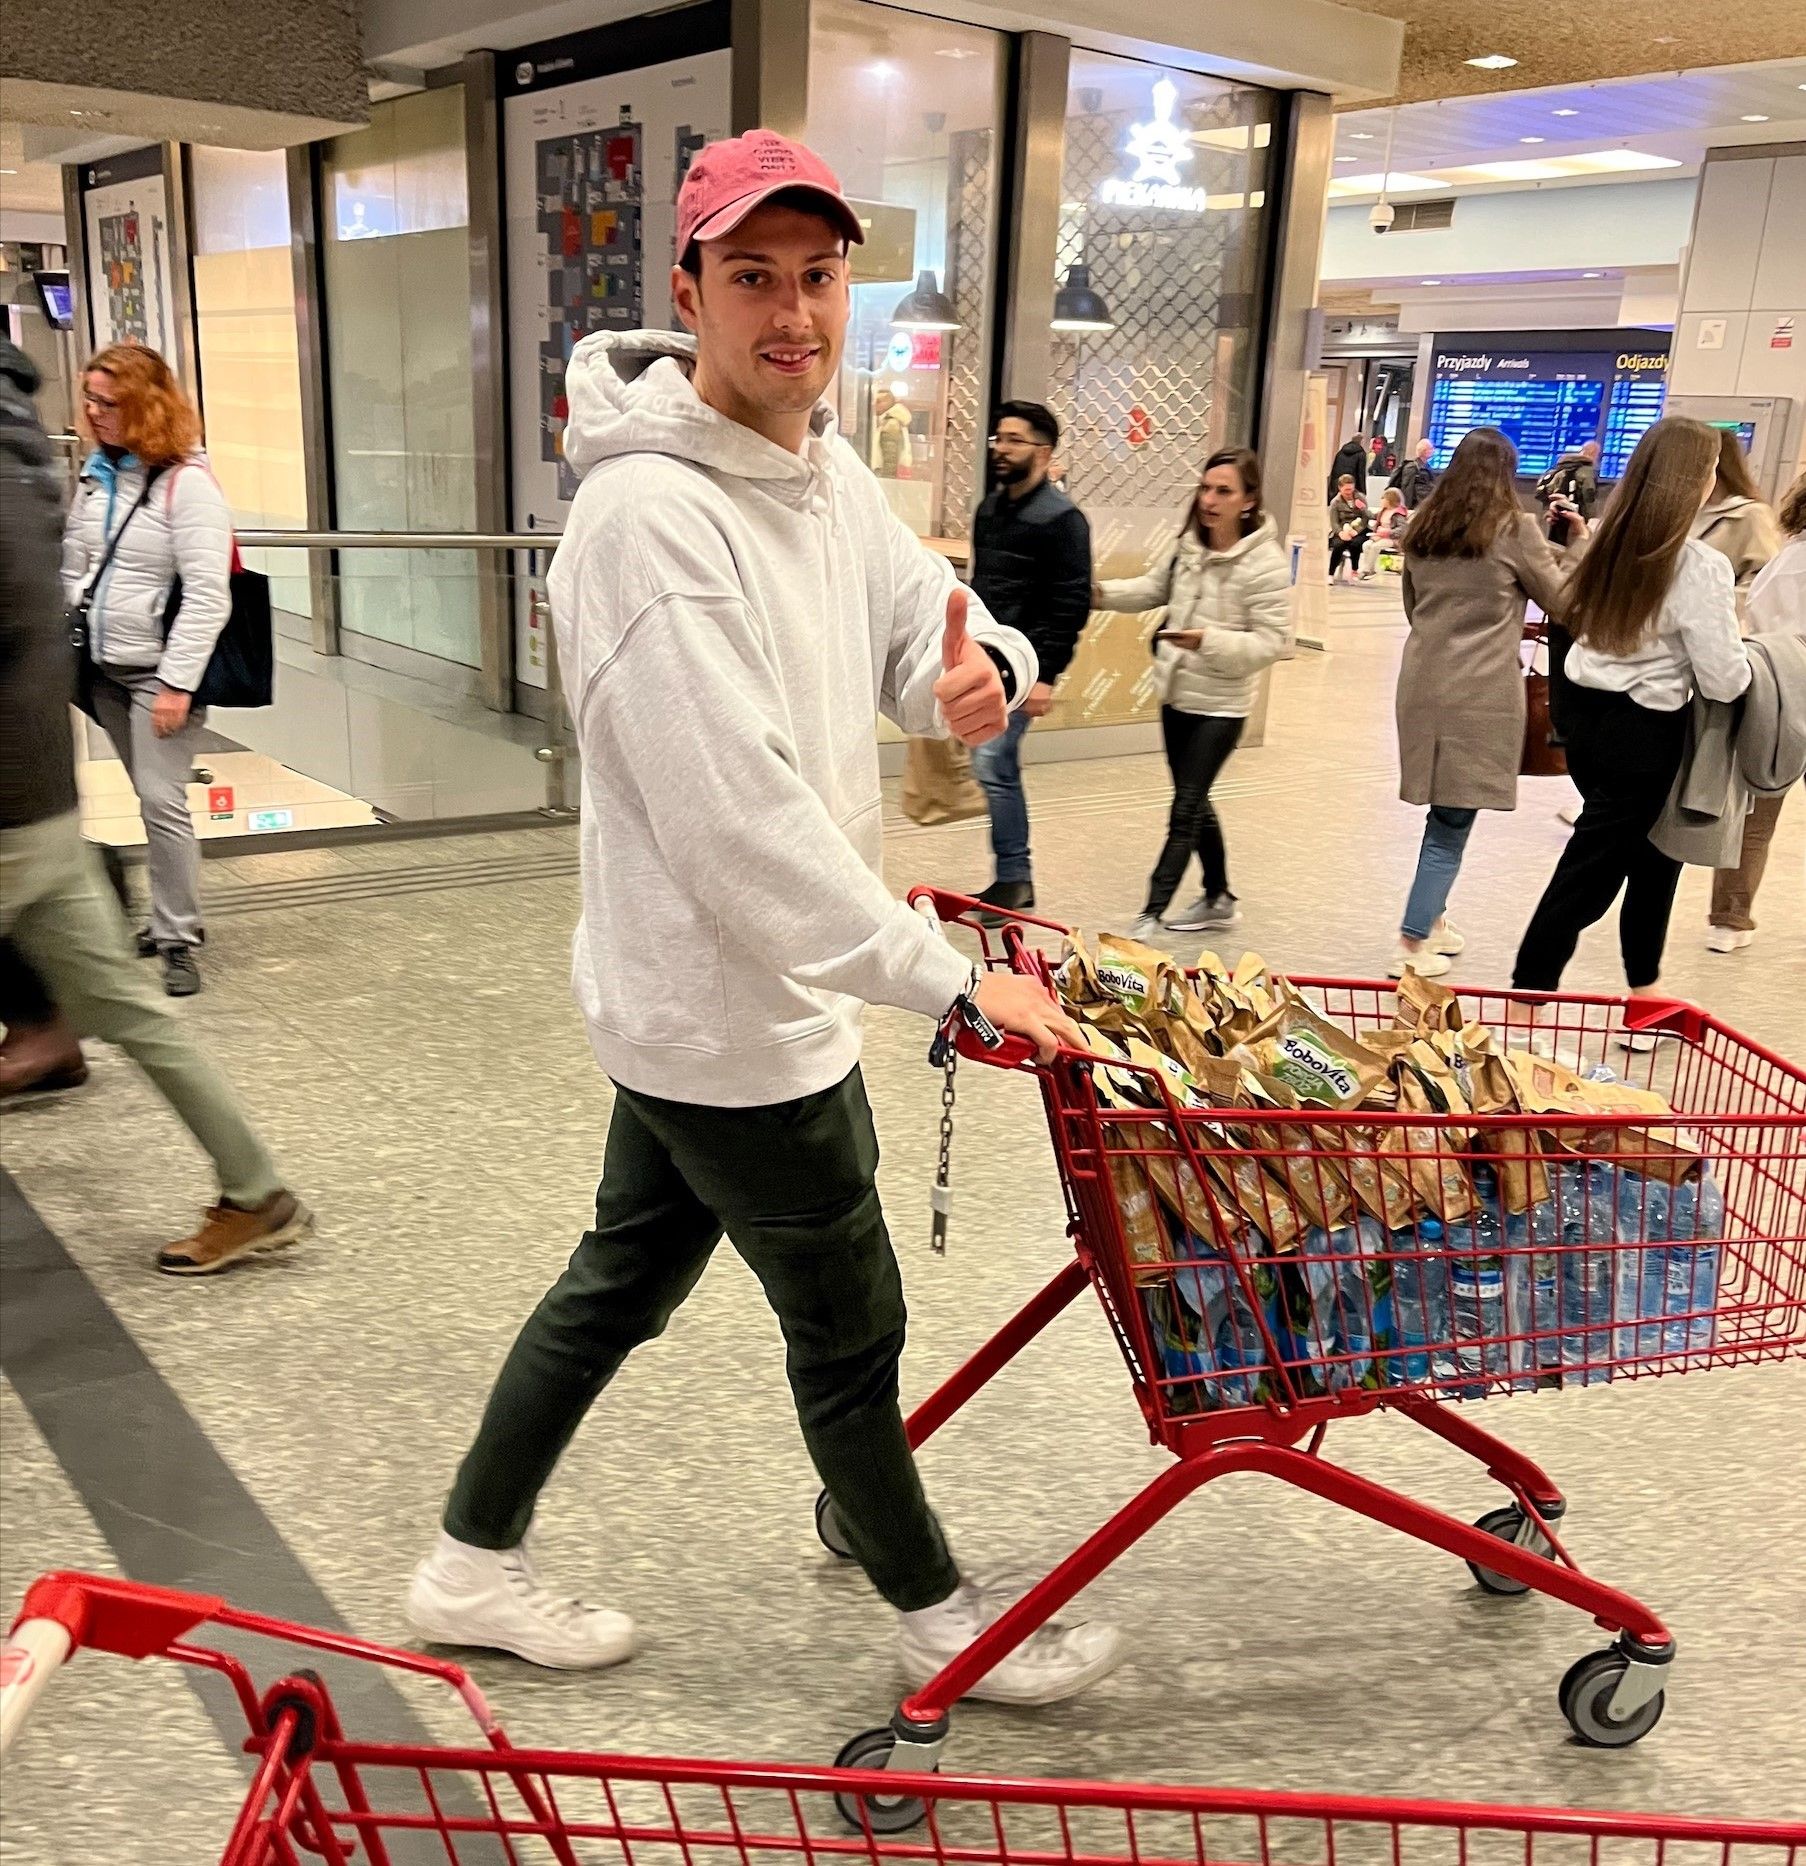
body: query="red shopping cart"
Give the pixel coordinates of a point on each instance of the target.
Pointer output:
(1252, 1317)
(317, 1793)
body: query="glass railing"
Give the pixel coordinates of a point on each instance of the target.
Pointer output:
(416, 680)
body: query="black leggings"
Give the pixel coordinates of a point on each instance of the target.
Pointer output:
(1623, 758)
(1340, 548)
(1197, 747)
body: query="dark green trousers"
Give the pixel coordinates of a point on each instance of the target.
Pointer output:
(793, 1188)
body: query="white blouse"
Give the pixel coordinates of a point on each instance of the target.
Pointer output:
(1693, 642)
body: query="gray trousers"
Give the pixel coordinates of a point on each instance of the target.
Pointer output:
(56, 907)
(159, 771)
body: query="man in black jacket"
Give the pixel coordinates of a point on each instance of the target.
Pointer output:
(1031, 566)
(55, 906)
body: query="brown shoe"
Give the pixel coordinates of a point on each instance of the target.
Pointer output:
(229, 1232)
(39, 1059)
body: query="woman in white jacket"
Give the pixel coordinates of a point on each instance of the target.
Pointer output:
(1226, 588)
(148, 515)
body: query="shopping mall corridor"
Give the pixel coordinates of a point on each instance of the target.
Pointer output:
(400, 1021)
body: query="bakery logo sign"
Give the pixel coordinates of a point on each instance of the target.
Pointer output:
(1160, 149)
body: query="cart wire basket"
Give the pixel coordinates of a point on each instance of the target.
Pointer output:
(1269, 1272)
(319, 1794)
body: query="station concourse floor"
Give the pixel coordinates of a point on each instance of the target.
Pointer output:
(399, 1018)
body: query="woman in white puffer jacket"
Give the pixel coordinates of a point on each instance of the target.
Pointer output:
(1226, 587)
(146, 491)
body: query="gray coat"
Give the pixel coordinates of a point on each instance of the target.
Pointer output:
(1461, 683)
(1736, 749)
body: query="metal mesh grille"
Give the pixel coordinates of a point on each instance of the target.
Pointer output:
(1138, 399)
(971, 188)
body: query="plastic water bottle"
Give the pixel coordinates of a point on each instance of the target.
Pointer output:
(1310, 1321)
(1691, 1285)
(1531, 1300)
(1589, 1227)
(1645, 1218)
(1420, 1304)
(1225, 1338)
(1477, 1300)
(1362, 1308)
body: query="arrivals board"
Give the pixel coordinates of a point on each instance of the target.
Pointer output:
(1546, 402)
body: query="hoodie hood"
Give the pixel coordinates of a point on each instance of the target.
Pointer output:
(630, 393)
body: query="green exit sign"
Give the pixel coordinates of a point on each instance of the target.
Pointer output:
(270, 819)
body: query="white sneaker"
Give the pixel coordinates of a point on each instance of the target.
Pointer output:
(1446, 937)
(1209, 913)
(1148, 929)
(1056, 1662)
(1425, 961)
(464, 1596)
(1728, 939)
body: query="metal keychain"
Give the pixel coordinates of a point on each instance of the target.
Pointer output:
(940, 1198)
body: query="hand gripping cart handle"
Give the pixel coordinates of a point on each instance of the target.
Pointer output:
(1189, 1218)
(317, 1793)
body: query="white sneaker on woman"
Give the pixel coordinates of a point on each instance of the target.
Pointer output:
(1728, 939)
(1447, 938)
(1054, 1663)
(1424, 960)
(465, 1596)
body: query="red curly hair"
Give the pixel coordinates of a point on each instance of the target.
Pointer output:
(157, 421)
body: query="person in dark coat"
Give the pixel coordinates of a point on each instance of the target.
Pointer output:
(1351, 458)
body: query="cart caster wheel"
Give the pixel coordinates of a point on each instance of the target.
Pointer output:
(827, 1526)
(1508, 1525)
(883, 1814)
(1586, 1695)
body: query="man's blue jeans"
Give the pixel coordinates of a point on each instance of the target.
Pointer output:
(998, 768)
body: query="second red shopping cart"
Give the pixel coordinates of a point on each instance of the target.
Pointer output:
(1255, 1304)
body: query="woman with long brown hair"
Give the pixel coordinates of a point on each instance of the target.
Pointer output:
(1653, 617)
(148, 517)
(1226, 588)
(1473, 557)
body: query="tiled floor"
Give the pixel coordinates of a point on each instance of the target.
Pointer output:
(412, 1052)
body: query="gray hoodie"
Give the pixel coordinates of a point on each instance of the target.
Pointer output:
(731, 620)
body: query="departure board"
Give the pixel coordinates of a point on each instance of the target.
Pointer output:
(1546, 402)
(1639, 387)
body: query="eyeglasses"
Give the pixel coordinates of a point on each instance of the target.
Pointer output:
(97, 401)
(1015, 440)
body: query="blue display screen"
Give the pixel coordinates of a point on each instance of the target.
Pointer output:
(1547, 402)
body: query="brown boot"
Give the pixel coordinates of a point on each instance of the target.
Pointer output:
(229, 1232)
(40, 1058)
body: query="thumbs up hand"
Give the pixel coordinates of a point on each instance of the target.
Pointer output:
(970, 689)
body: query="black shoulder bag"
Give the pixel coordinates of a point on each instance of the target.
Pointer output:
(242, 668)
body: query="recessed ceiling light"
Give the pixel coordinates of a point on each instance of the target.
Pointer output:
(1429, 281)
(1348, 158)
(1533, 139)
(8, 171)
(1360, 136)
(1755, 117)
(955, 51)
(1575, 113)
(1592, 275)
(882, 69)
(1492, 61)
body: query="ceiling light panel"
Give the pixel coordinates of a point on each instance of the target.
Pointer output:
(1395, 183)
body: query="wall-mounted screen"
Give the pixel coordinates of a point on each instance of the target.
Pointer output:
(56, 297)
(1550, 393)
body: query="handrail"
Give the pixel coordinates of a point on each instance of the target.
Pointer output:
(399, 540)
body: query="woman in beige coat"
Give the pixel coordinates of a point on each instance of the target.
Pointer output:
(1737, 523)
(1472, 556)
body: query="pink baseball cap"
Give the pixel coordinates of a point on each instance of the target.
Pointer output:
(727, 180)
